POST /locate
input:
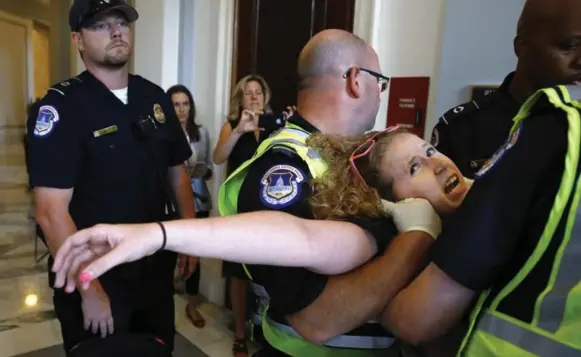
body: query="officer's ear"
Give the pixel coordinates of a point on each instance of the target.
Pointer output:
(354, 85)
(78, 40)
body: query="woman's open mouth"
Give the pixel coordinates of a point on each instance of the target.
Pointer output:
(451, 184)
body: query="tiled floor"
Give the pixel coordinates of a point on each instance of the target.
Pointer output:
(27, 320)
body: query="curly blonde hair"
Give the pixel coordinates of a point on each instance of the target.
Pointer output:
(340, 193)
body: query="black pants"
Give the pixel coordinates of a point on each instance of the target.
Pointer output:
(141, 296)
(193, 282)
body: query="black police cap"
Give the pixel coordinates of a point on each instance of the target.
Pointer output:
(82, 12)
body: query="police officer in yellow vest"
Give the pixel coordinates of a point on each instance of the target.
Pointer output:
(344, 73)
(517, 239)
(511, 253)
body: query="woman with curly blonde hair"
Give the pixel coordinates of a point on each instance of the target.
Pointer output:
(363, 173)
(388, 165)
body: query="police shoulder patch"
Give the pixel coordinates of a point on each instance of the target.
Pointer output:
(281, 186)
(490, 163)
(46, 121)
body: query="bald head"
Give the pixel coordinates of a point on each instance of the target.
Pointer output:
(548, 46)
(539, 14)
(333, 97)
(331, 51)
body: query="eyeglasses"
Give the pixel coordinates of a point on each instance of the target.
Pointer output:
(365, 148)
(382, 80)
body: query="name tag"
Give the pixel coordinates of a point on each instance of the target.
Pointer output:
(105, 131)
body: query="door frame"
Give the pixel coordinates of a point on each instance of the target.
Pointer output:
(28, 25)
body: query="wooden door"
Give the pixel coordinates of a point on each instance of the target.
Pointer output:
(269, 35)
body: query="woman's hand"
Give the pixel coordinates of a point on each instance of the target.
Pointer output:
(101, 248)
(289, 112)
(248, 122)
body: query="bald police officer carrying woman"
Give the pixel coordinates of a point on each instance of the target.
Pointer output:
(106, 146)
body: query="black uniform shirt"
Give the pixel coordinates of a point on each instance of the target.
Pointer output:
(84, 137)
(503, 216)
(279, 180)
(470, 134)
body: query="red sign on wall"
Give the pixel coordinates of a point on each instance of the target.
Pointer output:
(408, 103)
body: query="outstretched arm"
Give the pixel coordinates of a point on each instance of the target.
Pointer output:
(271, 238)
(274, 238)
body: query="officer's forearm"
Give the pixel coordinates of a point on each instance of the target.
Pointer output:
(182, 190)
(427, 308)
(351, 299)
(57, 225)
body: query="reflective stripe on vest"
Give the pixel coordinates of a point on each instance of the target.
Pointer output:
(294, 138)
(555, 329)
(343, 341)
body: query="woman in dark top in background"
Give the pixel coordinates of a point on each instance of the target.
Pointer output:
(199, 166)
(239, 138)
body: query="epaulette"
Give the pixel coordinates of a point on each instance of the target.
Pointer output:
(465, 109)
(65, 87)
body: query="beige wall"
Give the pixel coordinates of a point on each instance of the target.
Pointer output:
(56, 16)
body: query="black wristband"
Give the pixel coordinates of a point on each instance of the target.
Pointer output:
(164, 236)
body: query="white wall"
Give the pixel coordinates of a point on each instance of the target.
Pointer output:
(406, 37)
(477, 47)
(205, 65)
(157, 41)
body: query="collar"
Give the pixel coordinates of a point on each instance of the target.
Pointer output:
(504, 94)
(504, 87)
(134, 90)
(297, 119)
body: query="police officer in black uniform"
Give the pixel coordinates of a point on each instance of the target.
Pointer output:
(106, 146)
(470, 133)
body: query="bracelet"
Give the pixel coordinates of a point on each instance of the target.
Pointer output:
(164, 236)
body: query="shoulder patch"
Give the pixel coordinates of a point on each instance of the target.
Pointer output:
(281, 186)
(46, 121)
(490, 163)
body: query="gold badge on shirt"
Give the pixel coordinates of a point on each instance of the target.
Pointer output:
(158, 113)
